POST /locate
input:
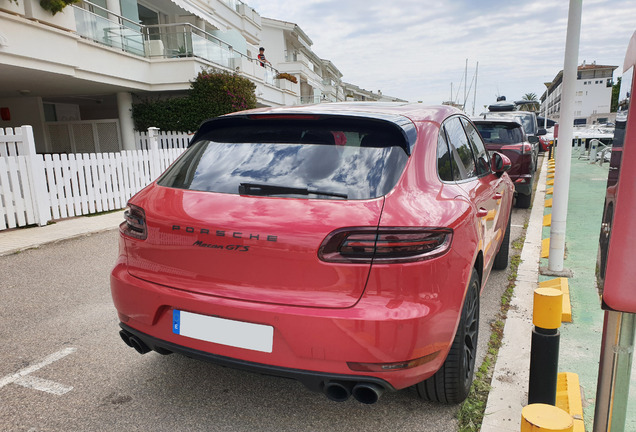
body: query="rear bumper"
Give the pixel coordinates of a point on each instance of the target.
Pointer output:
(314, 381)
(312, 344)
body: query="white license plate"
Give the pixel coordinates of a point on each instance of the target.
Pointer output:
(256, 337)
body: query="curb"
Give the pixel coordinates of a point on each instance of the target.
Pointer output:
(509, 392)
(21, 239)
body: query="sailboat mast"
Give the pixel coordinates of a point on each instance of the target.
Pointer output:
(475, 91)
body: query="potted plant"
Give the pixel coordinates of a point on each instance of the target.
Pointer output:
(288, 77)
(52, 12)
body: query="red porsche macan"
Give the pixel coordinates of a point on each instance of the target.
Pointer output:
(344, 245)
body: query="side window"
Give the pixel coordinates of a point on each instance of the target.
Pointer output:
(481, 154)
(460, 149)
(444, 160)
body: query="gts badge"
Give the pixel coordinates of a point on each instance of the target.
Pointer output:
(235, 248)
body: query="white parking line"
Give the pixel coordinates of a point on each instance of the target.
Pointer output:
(43, 385)
(21, 377)
(517, 226)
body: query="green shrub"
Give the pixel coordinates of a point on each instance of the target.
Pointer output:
(55, 6)
(211, 94)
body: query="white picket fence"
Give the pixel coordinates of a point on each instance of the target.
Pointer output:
(35, 189)
(165, 140)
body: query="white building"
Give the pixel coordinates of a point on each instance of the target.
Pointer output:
(592, 98)
(74, 75)
(355, 93)
(289, 49)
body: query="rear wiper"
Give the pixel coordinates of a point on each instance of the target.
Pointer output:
(265, 189)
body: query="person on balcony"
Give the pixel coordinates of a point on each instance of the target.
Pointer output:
(261, 57)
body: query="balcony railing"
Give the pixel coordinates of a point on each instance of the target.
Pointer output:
(123, 34)
(186, 40)
(160, 41)
(304, 100)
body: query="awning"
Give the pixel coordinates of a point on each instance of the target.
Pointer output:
(200, 12)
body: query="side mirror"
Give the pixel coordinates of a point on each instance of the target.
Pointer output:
(534, 139)
(541, 131)
(499, 163)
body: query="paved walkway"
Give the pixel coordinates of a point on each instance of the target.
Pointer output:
(19, 239)
(509, 392)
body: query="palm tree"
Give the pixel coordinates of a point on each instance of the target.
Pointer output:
(531, 97)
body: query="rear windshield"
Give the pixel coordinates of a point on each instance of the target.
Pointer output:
(527, 120)
(497, 133)
(321, 159)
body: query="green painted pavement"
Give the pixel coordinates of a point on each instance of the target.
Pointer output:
(581, 339)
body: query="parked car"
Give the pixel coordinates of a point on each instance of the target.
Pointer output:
(528, 120)
(343, 245)
(508, 137)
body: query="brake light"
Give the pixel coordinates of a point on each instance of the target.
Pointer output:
(134, 224)
(385, 245)
(284, 117)
(523, 148)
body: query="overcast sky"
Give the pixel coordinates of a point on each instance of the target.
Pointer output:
(415, 49)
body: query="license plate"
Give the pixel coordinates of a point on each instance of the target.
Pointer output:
(238, 334)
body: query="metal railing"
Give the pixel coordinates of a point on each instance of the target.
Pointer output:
(118, 32)
(162, 40)
(306, 100)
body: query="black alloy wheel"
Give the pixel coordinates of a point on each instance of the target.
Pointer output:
(451, 383)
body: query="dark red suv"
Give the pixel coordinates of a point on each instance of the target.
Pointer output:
(508, 137)
(343, 245)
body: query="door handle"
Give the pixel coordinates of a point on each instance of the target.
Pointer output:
(482, 212)
(498, 196)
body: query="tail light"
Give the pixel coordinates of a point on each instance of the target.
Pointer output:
(523, 148)
(134, 224)
(385, 245)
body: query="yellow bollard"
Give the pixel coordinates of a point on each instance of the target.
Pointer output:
(548, 307)
(545, 418)
(544, 349)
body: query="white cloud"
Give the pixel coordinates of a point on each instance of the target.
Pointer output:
(415, 50)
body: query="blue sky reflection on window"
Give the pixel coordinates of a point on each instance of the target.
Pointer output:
(358, 172)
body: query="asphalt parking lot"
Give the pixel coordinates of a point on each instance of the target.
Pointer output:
(64, 366)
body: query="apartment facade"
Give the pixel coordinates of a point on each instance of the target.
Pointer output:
(592, 98)
(74, 75)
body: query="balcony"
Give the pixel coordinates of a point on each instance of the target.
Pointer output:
(166, 41)
(122, 34)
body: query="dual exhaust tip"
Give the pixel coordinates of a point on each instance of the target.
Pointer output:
(337, 391)
(340, 391)
(134, 342)
(140, 346)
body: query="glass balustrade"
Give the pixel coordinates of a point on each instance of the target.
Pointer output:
(125, 36)
(163, 40)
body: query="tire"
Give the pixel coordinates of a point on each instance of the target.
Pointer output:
(523, 201)
(451, 383)
(501, 259)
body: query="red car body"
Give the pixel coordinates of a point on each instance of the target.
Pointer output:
(508, 137)
(314, 310)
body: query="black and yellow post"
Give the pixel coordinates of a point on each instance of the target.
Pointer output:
(545, 418)
(544, 351)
